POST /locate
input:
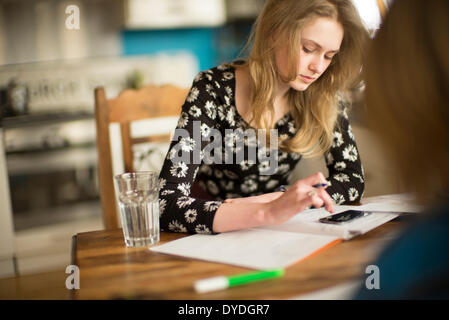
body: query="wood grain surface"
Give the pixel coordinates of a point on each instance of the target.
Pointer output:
(110, 270)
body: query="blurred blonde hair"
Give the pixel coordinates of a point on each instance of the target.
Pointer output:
(407, 93)
(315, 110)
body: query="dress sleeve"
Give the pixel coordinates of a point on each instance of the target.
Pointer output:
(346, 175)
(178, 211)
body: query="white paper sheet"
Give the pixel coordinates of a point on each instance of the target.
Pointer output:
(253, 248)
(307, 222)
(279, 246)
(393, 207)
(403, 202)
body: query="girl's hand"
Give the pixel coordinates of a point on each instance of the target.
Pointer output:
(297, 198)
(264, 198)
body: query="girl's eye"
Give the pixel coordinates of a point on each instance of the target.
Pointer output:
(306, 50)
(328, 58)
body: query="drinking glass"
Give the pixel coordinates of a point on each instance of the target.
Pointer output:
(139, 207)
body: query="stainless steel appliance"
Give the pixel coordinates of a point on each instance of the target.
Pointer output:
(49, 130)
(51, 163)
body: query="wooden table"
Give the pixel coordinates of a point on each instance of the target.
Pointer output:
(110, 270)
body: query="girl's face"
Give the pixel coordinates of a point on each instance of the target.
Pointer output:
(320, 41)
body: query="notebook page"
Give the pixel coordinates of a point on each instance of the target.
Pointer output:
(307, 222)
(251, 248)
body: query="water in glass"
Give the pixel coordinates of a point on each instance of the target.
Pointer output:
(139, 209)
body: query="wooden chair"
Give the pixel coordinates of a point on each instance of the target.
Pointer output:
(131, 105)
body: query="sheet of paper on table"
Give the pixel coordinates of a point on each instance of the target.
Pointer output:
(277, 246)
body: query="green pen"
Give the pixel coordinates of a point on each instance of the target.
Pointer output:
(222, 282)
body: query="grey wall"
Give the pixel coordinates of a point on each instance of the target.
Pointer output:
(35, 30)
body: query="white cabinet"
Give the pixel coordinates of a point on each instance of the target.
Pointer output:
(157, 14)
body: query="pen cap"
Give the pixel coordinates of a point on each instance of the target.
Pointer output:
(211, 284)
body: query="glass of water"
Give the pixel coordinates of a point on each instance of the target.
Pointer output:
(139, 207)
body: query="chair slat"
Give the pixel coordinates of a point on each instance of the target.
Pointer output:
(131, 105)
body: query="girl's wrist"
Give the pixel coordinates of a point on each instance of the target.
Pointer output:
(261, 214)
(241, 215)
(266, 213)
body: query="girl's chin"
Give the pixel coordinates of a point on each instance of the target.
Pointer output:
(298, 85)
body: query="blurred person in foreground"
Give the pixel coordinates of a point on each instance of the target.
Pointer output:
(407, 94)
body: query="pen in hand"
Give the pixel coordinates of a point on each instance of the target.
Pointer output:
(321, 185)
(283, 188)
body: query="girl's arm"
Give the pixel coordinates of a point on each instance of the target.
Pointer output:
(345, 167)
(246, 214)
(264, 198)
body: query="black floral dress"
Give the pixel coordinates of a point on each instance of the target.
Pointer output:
(210, 107)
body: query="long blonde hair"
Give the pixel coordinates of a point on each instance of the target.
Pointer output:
(407, 93)
(315, 110)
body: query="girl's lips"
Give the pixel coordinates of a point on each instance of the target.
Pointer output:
(306, 79)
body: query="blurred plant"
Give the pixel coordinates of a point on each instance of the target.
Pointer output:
(135, 79)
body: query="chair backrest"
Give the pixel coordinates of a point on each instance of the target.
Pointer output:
(131, 105)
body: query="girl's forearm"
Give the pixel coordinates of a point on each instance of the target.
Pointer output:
(240, 215)
(278, 208)
(264, 198)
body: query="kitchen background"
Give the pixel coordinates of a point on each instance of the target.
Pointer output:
(48, 70)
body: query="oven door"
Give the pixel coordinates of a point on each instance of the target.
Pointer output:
(52, 172)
